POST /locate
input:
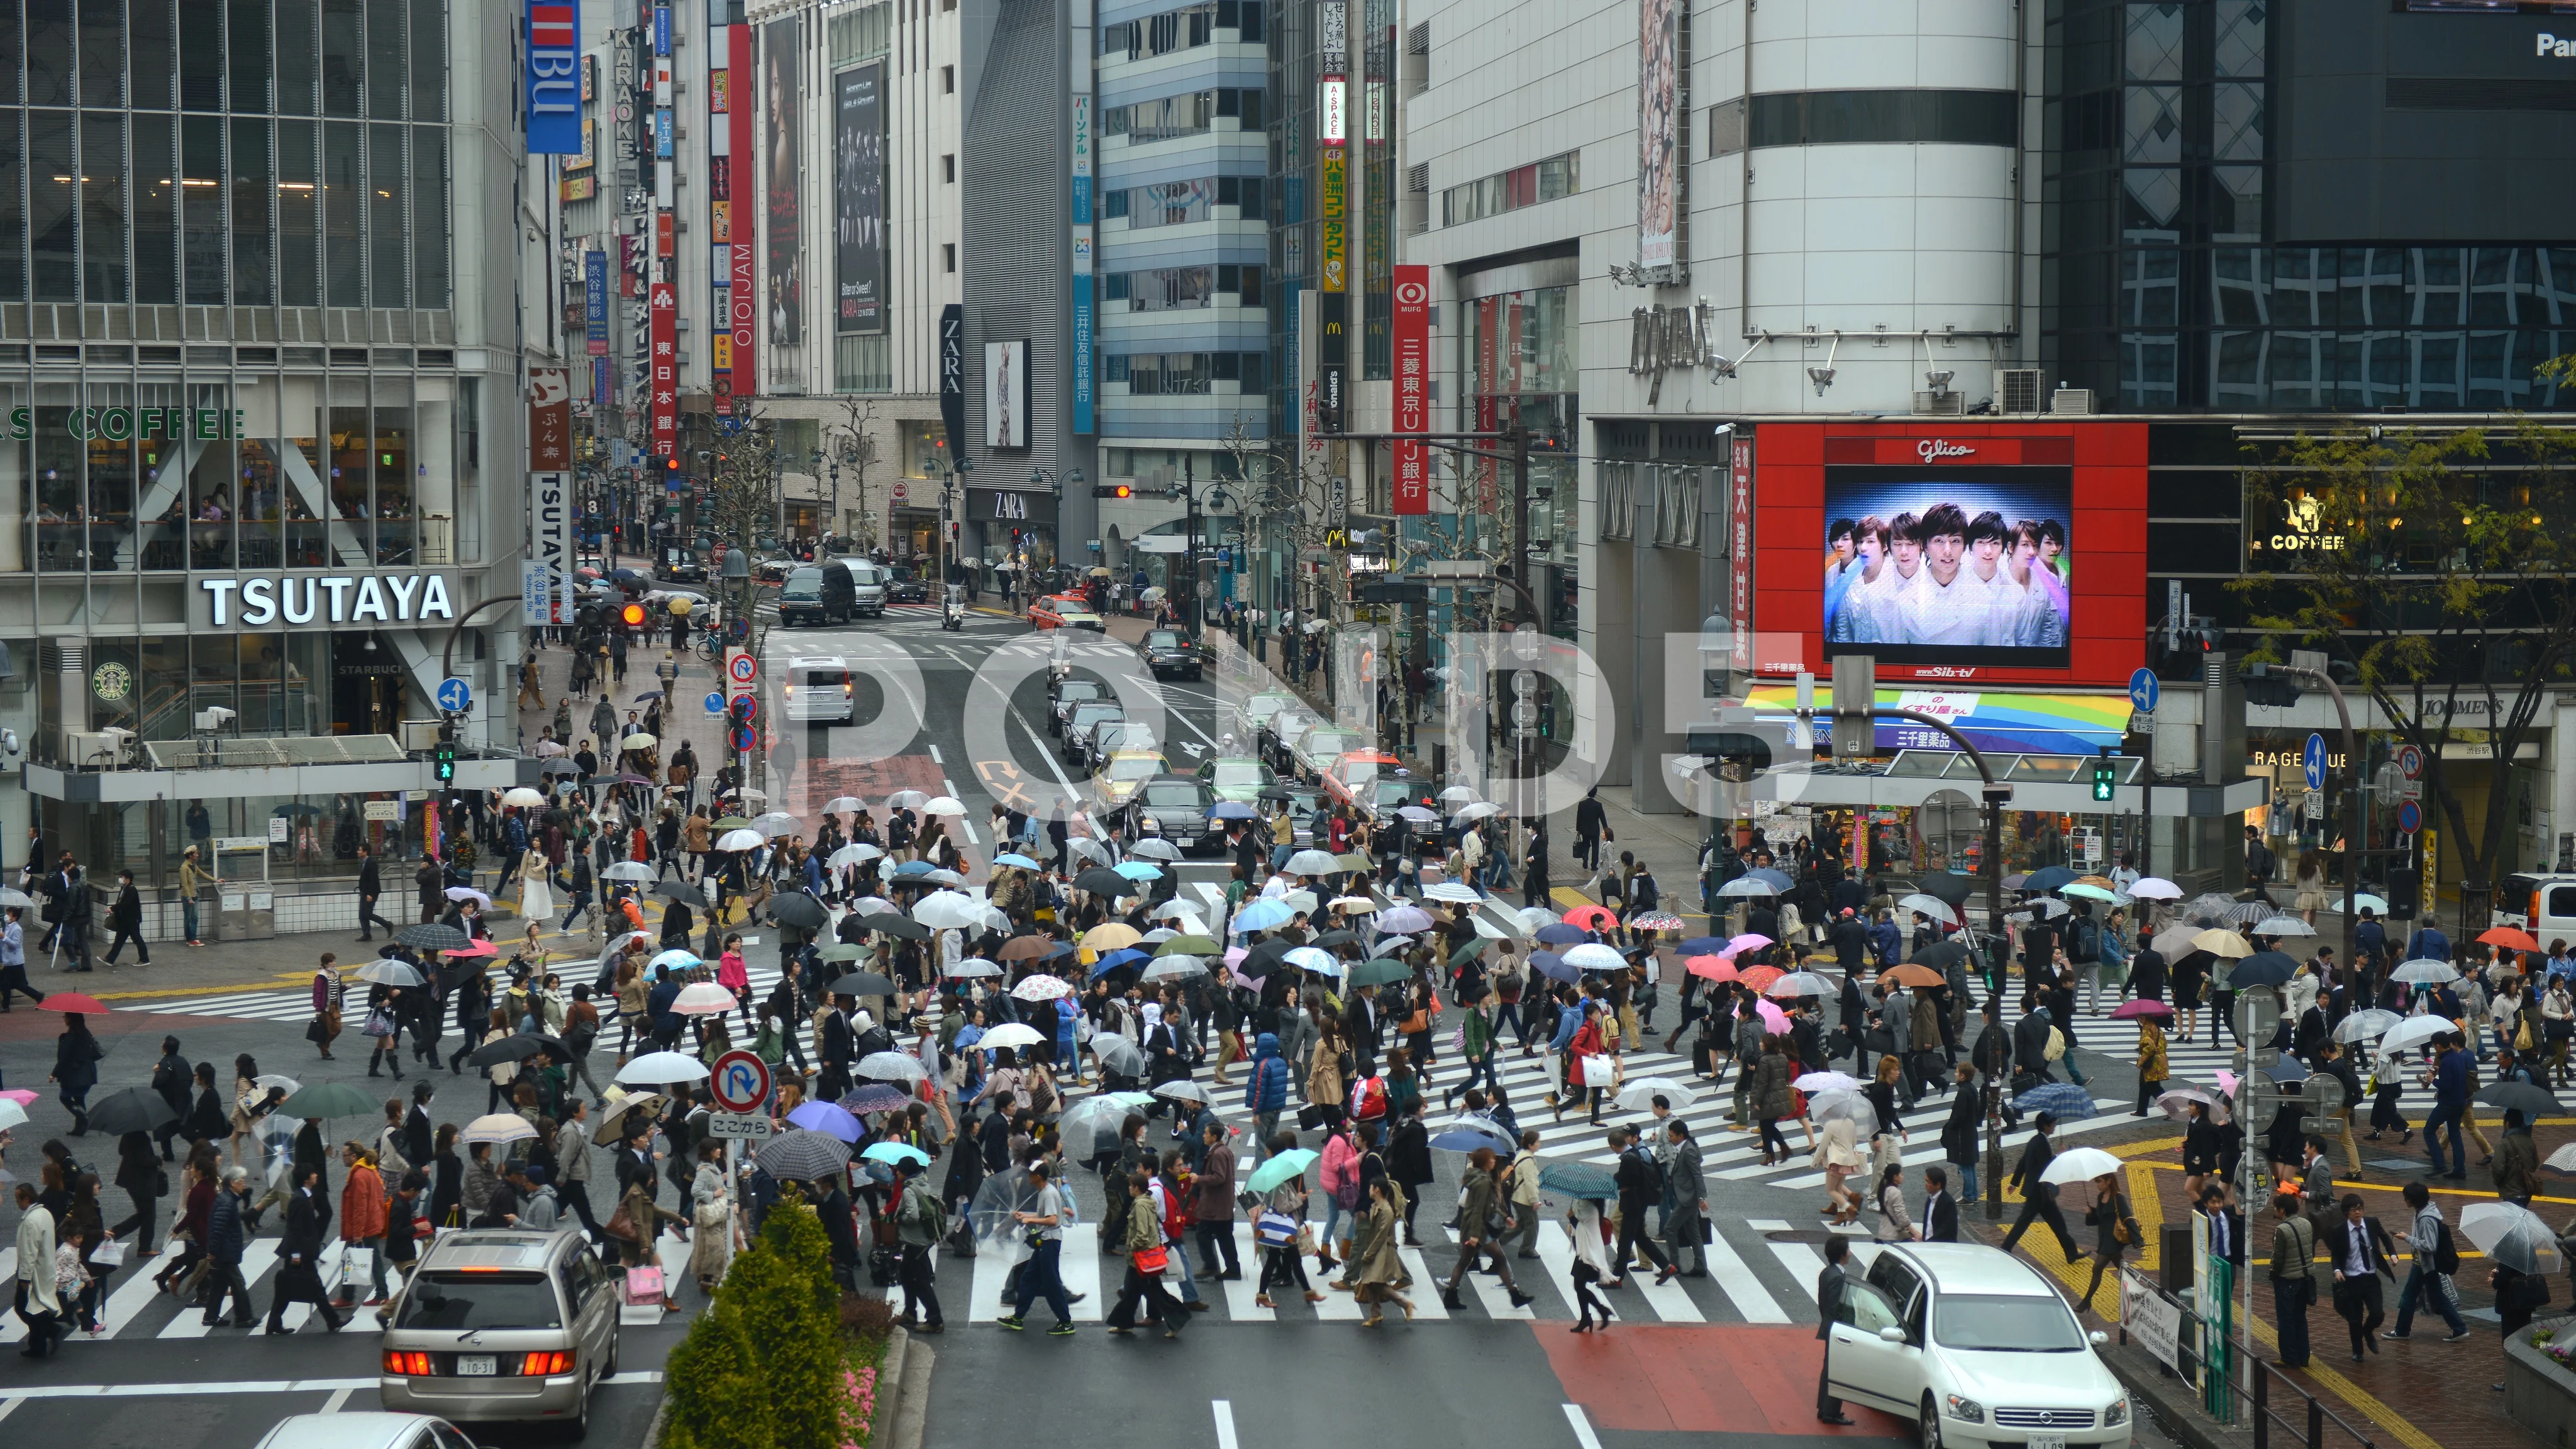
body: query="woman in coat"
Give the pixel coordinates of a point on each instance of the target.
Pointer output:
(711, 1210)
(1408, 1163)
(76, 1055)
(1588, 1042)
(1772, 1096)
(1380, 1267)
(2151, 1064)
(1324, 1086)
(2115, 1230)
(2200, 1150)
(362, 1213)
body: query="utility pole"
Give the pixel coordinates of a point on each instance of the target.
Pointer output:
(1520, 520)
(1190, 540)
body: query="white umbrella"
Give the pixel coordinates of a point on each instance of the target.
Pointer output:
(1153, 847)
(1312, 862)
(1402, 921)
(1532, 918)
(1797, 984)
(1745, 885)
(1815, 1082)
(703, 998)
(390, 972)
(2424, 972)
(658, 1068)
(2415, 1031)
(776, 823)
(634, 870)
(944, 805)
(2045, 907)
(906, 800)
(2277, 926)
(1353, 905)
(850, 855)
(843, 805)
(1593, 956)
(1182, 1091)
(1478, 811)
(1640, 1094)
(739, 840)
(1084, 848)
(1832, 1106)
(1011, 1034)
(1301, 901)
(522, 796)
(1489, 930)
(949, 911)
(892, 1067)
(498, 1128)
(1931, 908)
(1174, 909)
(2366, 1025)
(1174, 968)
(2155, 888)
(638, 741)
(1452, 890)
(2361, 901)
(11, 1115)
(2080, 1164)
(2512, 1235)
(1312, 958)
(974, 967)
(1456, 795)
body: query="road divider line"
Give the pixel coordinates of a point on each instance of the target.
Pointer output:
(339, 1398)
(1224, 1424)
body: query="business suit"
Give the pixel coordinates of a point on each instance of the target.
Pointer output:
(2361, 1251)
(2039, 1197)
(1829, 1303)
(1941, 1218)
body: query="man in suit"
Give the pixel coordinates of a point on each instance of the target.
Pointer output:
(1940, 1210)
(2361, 1251)
(836, 1047)
(1829, 1304)
(2030, 1040)
(1686, 1189)
(2039, 1196)
(1360, 1028)
(371, 884)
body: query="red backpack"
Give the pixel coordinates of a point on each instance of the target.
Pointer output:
(1177, 1219)
(1368, 1099)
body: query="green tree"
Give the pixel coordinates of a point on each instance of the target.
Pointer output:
(720, 1398)
(763, 1368)
(2436, 565)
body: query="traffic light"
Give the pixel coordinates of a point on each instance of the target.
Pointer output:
(632, 616)
(2106, 776)
(1112, 490)
(443, 762)
(740, 709)
(2273, 691)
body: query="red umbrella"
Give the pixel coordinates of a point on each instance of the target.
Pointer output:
(1714, 968)
(2510, 939)
(479, 947)
(2132, 1010)
(1761, 977)
(1592, 918)
(73, 1001)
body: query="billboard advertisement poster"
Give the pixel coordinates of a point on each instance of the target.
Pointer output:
(1659, 155)
(665, 378)
(858, 199)
(549, 418)
(780, 103)
(1967, 551)
(1332, 219)
(1006, 394)
(550, 510)
(952, 375)
(1412, 366)
(554, 78)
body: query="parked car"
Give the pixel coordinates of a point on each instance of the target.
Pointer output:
(818, 689)
(498, 1324)
(1174, 807)
(363, 1429)
(1976, 1347)
(1169, 651)
(2542, 904)
(817, 594)
(1078, 723)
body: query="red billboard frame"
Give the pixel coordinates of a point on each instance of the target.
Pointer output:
(2107, 637)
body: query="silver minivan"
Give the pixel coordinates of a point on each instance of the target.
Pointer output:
(501, 1324)
(870, 580)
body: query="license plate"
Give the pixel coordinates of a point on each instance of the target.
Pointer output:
(485, 1365)
(2047, 1441)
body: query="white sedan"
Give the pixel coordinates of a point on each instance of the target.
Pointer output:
(1976, 1347)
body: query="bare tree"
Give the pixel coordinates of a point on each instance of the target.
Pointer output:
(856, 447)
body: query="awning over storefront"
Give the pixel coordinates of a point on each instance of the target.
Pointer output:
(112, 787)
(1993, 720)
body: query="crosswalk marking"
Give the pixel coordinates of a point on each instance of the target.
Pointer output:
(1241, 1295)
(1734, 1277)
(1426, 1288)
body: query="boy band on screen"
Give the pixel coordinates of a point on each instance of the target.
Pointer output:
(1943, 579)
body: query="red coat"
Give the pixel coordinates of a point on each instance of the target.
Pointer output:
(362, 1206)
(1587, 1043)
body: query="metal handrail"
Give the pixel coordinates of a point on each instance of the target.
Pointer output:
(2318, 1413)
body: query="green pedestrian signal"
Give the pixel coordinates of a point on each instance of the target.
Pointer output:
(443, 762)
(2106, 776)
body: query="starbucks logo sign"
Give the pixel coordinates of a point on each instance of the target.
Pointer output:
(111, 682)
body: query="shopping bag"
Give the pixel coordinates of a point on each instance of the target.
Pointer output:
(1601, 1071)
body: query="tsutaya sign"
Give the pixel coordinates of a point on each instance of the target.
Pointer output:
(258, 602)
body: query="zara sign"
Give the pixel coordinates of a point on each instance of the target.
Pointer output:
(259, 602)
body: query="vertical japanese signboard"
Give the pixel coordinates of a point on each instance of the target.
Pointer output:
(666, 368)
(1412, 359)
(744, 293)
(549, 418)
(1739, 512)
(554, 78)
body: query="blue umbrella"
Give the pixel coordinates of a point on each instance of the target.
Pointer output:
(1116, 959)
(824, 1117)
(1231, 810)
(1777, 880)
(1561, 934)
(1263, 915)
(1702, 946)
(915, 867)
(1139, 870)
(1578, 1179)
(1551, 965)
(1466, 1134)
(1060, 948)
(2065, 1101)
(2048, 878)
(894, 1152)
(1017, 859)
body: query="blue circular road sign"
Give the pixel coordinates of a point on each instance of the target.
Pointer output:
(744, 737)
(2142, 691)
(455, 695)
(715, 702)
(2315, 760)
(2410, 816)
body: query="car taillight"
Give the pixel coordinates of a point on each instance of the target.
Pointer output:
(555, 1361)
(414, 1365)
(791, 691)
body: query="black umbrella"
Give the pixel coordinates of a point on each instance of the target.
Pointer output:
(1336, 938)
(517, 1047)
(861, 983)
(683, 892)
(800, 911)
(1948, 887)
(136, 1109)
(558, 766)
(2521, 1097)
(434, 936)
(802, 1156)
(1941, 954)
(904, 927)
(1101, 881)
(2263, 968)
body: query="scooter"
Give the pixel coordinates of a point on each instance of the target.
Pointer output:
(952, 612)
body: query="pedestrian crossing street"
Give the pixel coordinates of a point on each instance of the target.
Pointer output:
(135, 1309)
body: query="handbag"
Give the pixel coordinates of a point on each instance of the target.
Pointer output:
(1273, 1229)
(620, 1224)
(1150, 1261)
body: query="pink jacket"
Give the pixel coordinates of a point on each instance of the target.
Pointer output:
(1341, 1167)
(730, 973)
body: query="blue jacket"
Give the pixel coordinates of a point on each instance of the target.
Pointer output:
(224, 1227)
(658, 1006)
(1567, 1024)
(2428, 944)
(1268, 1089)
(814, 873)
(2451, 1080)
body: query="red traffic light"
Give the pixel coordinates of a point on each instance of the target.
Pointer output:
(632, 616)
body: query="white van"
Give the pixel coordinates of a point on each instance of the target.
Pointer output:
(818, 689)
(870, 581)
(2544, 905)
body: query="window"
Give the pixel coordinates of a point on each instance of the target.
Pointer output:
(1192, 114)
(948, 80)
(1887, 118)
(948, 168)
(481, 1300)
(1183, 29)
(1174, 374)
(2033, 1323)
(1553, 179)
(1177, 203)
(948, 256)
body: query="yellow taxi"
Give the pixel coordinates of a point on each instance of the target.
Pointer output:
(1125, 771)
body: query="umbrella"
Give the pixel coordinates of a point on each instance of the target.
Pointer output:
(616, 944)
(2424, 972)
(1010, 858)
(2134, 1010)
(2515, 1236)
(1712, 968)
(1553, 967)
(1455, 892)
(1380, 972)
(861, 983)
(703, 998)
(476, 949)
(887, 923)
(1948, 886)
(803, 1156)
(2175, 941)
(557, 768)
(1308, 958)
(523, 797)
(1153, 847)
(1025, 948)
(1189, 943)
(843, 805)
(612, 1118)
(906, 800)
(2361, 900)
(2263, 968)
(1593, 956)
(876, 1097)
(1797, 984)
(1418, 815)
(683, 892)
(1930, 907)
(1477, 811)
(1139, 871)
(1097, 1117)
(1592, 918)
(1111, 935)
(14, 1115)
(1940, 954)
(1816, 1082)
(860, 854)
(637, 742)
(2155, 888)
(498, 1128)
(657, 1068)
(1912, 973)
(896, 1154)
(329, 1099)
(469, 893)
(2366, 1025)
(1758, 977)
(972, 968)
(2177, 1103)
(1640, 1093)
(1111, 961)
(740, 839)
(2082, 890)
(674, 959)
(1011, 1034)
(1281, 1166)
(1836, 1106)
(140, 1109)
(1578, 1179)
(1774, 1020)
(2521, 1097)
(386, 971)
(2045, 908)
(1407, 920)
(2080, 1164)
(943, 805)
(775, 823)
(824, 1117)
(892, 1067)
(516, 1047)
(2277, 927)
(799, 911)
(2509, 938)
(1083, 848)
(2248, 912)
(432, 936)
(2219, 942)
(1118, 1056)
(1182, 1091)
(1258, 916)
(634, 870)
(731, 822)
(2047, 878)
(268, 1081)
(2063, 1100)
(1042, 988)
(1466, 1134)
(1312, 862)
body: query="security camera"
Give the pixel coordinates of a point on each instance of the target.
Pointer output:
(8, 742)
(214, 717)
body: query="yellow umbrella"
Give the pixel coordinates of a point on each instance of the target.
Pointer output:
(2223, 943)
(1111, 936)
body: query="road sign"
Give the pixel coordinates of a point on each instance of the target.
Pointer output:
(2262, 1101)
(715, 702)
(2258, 1015)
(2410, 762)
(455, 695)
(2142, 691)
(744, 737)
(747, 1126)
(2314, 758)
(739, 1081)
(2410, 817)
(2325, 1097)
(740, 666)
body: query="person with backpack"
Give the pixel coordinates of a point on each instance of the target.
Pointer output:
(1484, 1222)
(920, 1222)
(1641, 1188)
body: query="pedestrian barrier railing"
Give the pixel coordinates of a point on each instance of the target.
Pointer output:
(2228, 1372)
(2313, 1423)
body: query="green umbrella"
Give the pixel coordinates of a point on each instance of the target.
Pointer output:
(329, 1099)
(1280, 1167)
(1380, 972)
(1353, 860)
(846, 951)
(1468, 952)
(731, 822)
(1189, 946)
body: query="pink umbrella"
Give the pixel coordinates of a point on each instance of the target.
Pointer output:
(1749, 941)
(2227, 1081)
(2132, 1010)
(19, 1095)
(1234, 954)
(1772, 1016)
(482, 947)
